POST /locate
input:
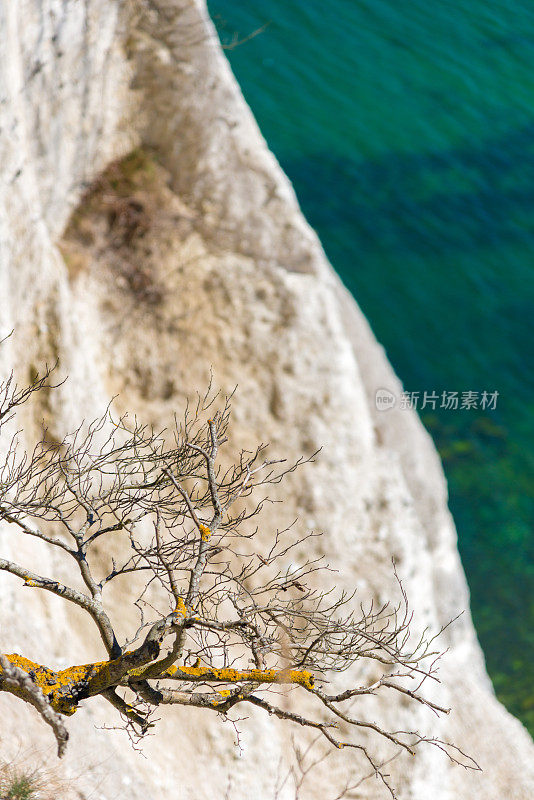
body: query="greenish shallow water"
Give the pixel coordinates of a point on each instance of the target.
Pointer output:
(408, 132)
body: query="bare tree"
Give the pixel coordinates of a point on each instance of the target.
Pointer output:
(234, 623)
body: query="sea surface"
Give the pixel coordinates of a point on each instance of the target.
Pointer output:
(407, 129)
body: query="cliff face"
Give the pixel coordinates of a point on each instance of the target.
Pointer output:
(227, 275)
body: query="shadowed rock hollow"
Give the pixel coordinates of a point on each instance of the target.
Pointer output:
(148, 237)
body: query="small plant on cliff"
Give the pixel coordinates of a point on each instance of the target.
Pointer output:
(20, 781)
(221, 624)
(21, 786)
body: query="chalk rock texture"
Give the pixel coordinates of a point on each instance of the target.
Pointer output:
(212, 268)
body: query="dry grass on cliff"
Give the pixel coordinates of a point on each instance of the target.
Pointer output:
(26, 778)
(121, 217)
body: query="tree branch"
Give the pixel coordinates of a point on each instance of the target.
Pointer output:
(18, 681)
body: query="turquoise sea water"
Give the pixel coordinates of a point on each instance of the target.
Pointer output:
(408, 132)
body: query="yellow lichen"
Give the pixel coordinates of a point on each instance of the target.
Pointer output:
(181, 608)
(61, 688)
(48, 681)
(205, 532)
(229, 675)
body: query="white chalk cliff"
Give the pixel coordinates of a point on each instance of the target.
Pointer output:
(227, 275)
